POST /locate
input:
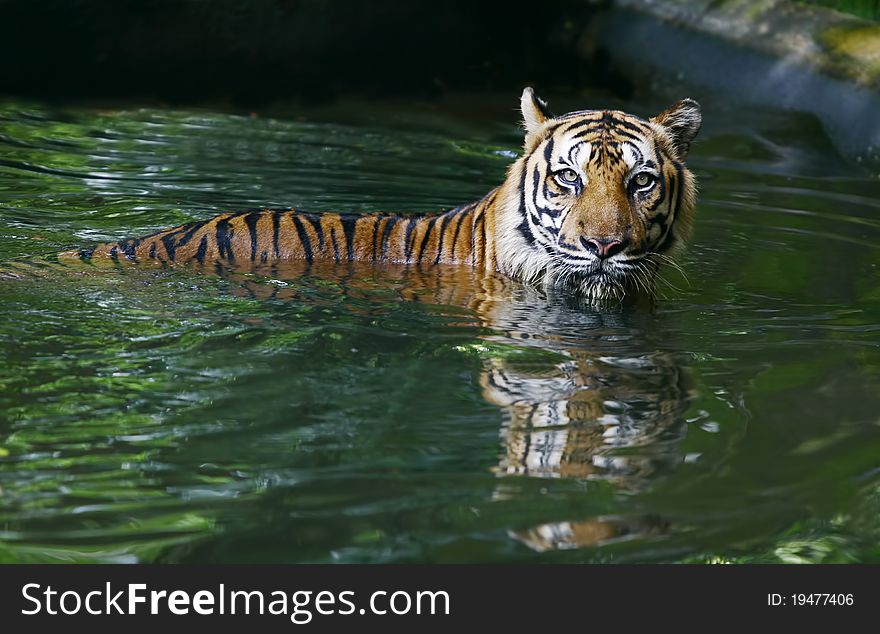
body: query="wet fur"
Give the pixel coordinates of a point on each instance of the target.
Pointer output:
(527, 228)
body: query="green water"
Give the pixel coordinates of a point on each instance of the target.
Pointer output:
(370, 415)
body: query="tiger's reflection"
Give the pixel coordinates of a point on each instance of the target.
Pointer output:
(573, 420)
(602, 414)
(610, 409)
(600, 401)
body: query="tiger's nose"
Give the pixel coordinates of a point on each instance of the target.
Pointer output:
(604, 247)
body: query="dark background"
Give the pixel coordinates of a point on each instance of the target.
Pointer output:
(253, 51)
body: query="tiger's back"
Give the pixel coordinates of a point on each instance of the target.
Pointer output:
(264, 236)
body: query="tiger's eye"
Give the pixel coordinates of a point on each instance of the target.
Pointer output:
(568, 177)
(643, 180)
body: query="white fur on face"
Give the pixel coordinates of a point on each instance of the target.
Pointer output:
(530, 218)
(571, 153)
(634, 153)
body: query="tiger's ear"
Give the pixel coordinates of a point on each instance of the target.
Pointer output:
(682, 121)
(534, 111)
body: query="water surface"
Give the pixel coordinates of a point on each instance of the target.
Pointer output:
(346, 413)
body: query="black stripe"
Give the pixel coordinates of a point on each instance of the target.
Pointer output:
(114, 253)
(548, 151)
(86, 254)
(535, 182)
(349, 228)
(609, 120)
(251, 221)
(572, 150)
(170, 243)
(386, 233)
(303, 237)
(128, 248)
(203, 247)
(545, 191)
(190, 229)
(588, 119)
(494, 383)
(523, 226)
(591, 130)
(152, 253)
(661, 195)
(548, 157)
(599, 129)
(444, 220)
(663, 188)
(481, 222)
(461, 218)
(426, 238)
(315, 222)
(668, 236)
(679, 179)
(223, 236)
(407, 248)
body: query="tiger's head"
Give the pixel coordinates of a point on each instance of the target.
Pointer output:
(599, 199)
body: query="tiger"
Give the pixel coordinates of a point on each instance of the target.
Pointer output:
(596, 203)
